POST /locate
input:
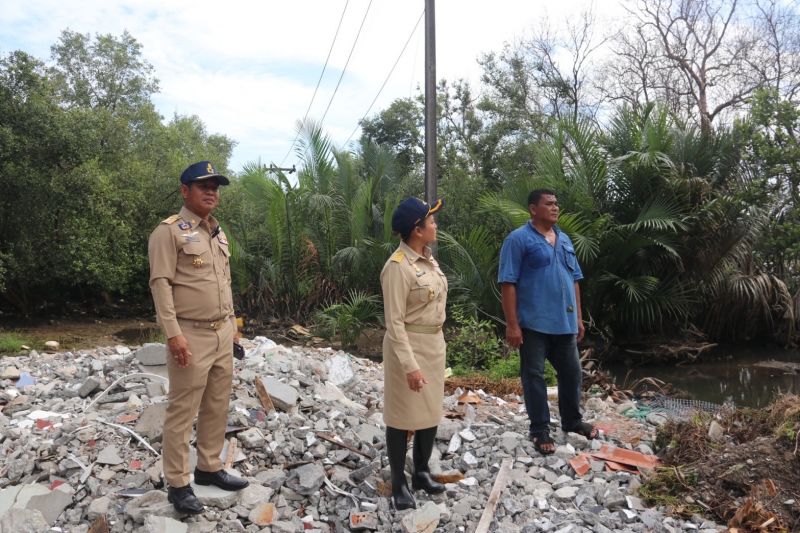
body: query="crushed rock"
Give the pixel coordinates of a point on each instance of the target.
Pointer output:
(95, 452)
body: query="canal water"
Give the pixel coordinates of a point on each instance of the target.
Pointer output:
(730, 374)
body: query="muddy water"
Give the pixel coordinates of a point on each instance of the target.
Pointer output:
(729, 375)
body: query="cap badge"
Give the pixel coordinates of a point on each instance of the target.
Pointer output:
(210, 169)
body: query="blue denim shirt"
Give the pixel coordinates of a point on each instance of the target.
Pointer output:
(545, 278)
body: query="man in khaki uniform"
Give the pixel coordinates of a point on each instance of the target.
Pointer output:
(414, 299)
(191, 285)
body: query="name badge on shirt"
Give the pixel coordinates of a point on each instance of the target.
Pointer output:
(191, 237)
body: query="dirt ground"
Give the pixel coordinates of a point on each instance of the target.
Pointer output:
(74, 334)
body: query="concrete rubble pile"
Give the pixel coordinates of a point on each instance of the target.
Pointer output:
(80, 437)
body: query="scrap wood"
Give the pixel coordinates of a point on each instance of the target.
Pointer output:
(448, 478)
(752, 515)
(263, 396)
(332, 440)
(231, 455)
(494, 496)
(100, 525)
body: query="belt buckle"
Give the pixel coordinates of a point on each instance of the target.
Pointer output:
(213, 325)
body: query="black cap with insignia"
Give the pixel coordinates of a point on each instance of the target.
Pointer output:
(201, 171)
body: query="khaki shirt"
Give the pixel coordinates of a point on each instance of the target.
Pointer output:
(414, 292)
(190, 275)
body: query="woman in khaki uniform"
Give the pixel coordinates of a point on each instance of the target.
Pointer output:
(414, 298)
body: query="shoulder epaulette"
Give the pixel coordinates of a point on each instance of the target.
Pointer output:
(398, 256)
(171, 220)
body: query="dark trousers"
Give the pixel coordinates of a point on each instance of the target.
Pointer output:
(562, 352)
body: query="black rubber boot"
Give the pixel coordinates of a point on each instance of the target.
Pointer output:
(396, 446)
(423, 446)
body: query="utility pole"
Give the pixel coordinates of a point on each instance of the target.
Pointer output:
(430, 102)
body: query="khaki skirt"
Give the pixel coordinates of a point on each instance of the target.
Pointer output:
(402, 407)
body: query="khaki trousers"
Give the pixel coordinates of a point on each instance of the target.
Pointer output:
(202, 389)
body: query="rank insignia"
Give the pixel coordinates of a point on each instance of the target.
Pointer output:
(184, 225)
(197, 262)
(222, 238)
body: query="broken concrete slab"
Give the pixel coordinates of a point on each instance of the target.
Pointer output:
(10, 372)
(306, 479)
(422, 520)
(89, 386)
(51, 505)
(255, 494)
(109, 456)
(151, 423)
(340, 371)
(283, 396)
(252, 438)
(152, 354)
(99, 507)
(164, 524)
(216, 497)
(8, 496)
(17, 520)
(154, 503)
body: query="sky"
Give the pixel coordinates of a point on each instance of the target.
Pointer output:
(248, 69)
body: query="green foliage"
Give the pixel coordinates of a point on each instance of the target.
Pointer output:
(11, 343)
(473, 344)
(504, 367)
(349, 318)
(87, 169)
(508, 367)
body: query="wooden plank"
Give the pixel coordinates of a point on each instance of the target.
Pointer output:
(494, 496)
(231, 455)
(263, 396)
(330, 439)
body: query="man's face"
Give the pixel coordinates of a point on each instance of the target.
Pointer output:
(546, 209)
(201, 197)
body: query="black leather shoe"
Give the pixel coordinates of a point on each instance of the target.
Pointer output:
(220, 479)
(424, 481)
(184, 500)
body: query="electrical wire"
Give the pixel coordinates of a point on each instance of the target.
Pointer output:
(346, 63)
(385, 81)
(325, 66)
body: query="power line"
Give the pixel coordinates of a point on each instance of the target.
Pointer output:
(385, 81)
(335, 35)
(346, 63)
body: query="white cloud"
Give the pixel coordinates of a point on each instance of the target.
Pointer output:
(248, 69)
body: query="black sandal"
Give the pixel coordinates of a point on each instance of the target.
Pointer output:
(585, 429)
(541, 439)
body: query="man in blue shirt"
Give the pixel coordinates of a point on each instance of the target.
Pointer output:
(539, 274)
